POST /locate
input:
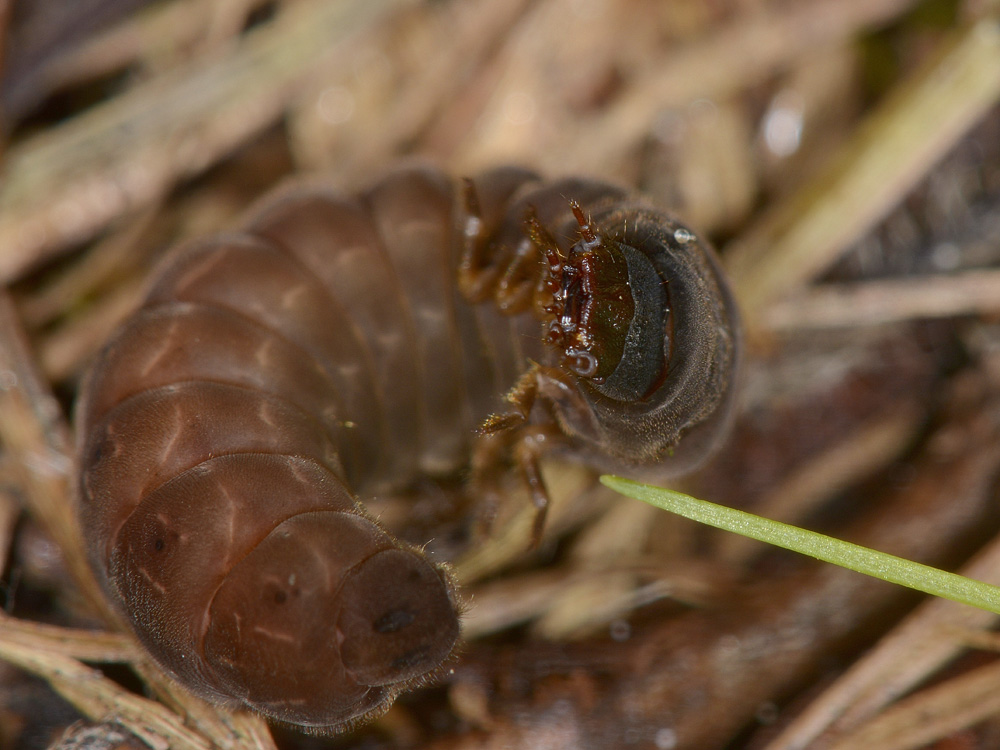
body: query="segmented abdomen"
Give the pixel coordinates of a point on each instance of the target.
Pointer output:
(323, 350)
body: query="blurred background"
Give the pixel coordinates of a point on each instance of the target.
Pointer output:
(843, 155)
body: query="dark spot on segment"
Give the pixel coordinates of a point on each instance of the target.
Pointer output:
(410, 659)
(158, 545)
(392, 621)
(280, 597)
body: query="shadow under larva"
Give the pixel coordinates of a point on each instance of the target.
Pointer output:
(333, 346)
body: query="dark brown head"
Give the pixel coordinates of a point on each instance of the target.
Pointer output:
(644, 322)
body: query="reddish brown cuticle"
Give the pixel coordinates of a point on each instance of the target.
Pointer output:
(319, 353)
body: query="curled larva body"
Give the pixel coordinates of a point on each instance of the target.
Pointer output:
(336, 346)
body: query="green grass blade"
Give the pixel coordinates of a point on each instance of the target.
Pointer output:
(845, 554)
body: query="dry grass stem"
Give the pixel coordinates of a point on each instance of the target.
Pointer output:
(920, 645)
(34, 431)
(101, 699)
(859, 454)
(509, 602)
(10, 511)
(68, 347)
(84, 645)
(894, 149)
(507, 543)
(66, 184)
(151, 40)
(730, 59)
(932, 715)
(478, 29)
(223, 729)
(873, 303)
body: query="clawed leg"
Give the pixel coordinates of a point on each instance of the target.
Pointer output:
(477, 275)
(510, 438)
(528, 448)
(522, 398)
(485, 482)
(523, 447)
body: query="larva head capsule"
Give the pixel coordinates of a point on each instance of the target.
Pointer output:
(648, 339)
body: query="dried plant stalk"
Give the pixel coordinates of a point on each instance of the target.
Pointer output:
(66, 184)
(35, 433)
(900, 141)
(878, 302)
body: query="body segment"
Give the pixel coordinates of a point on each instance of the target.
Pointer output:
(335, 346)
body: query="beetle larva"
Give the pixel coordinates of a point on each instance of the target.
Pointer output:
(336, 346)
